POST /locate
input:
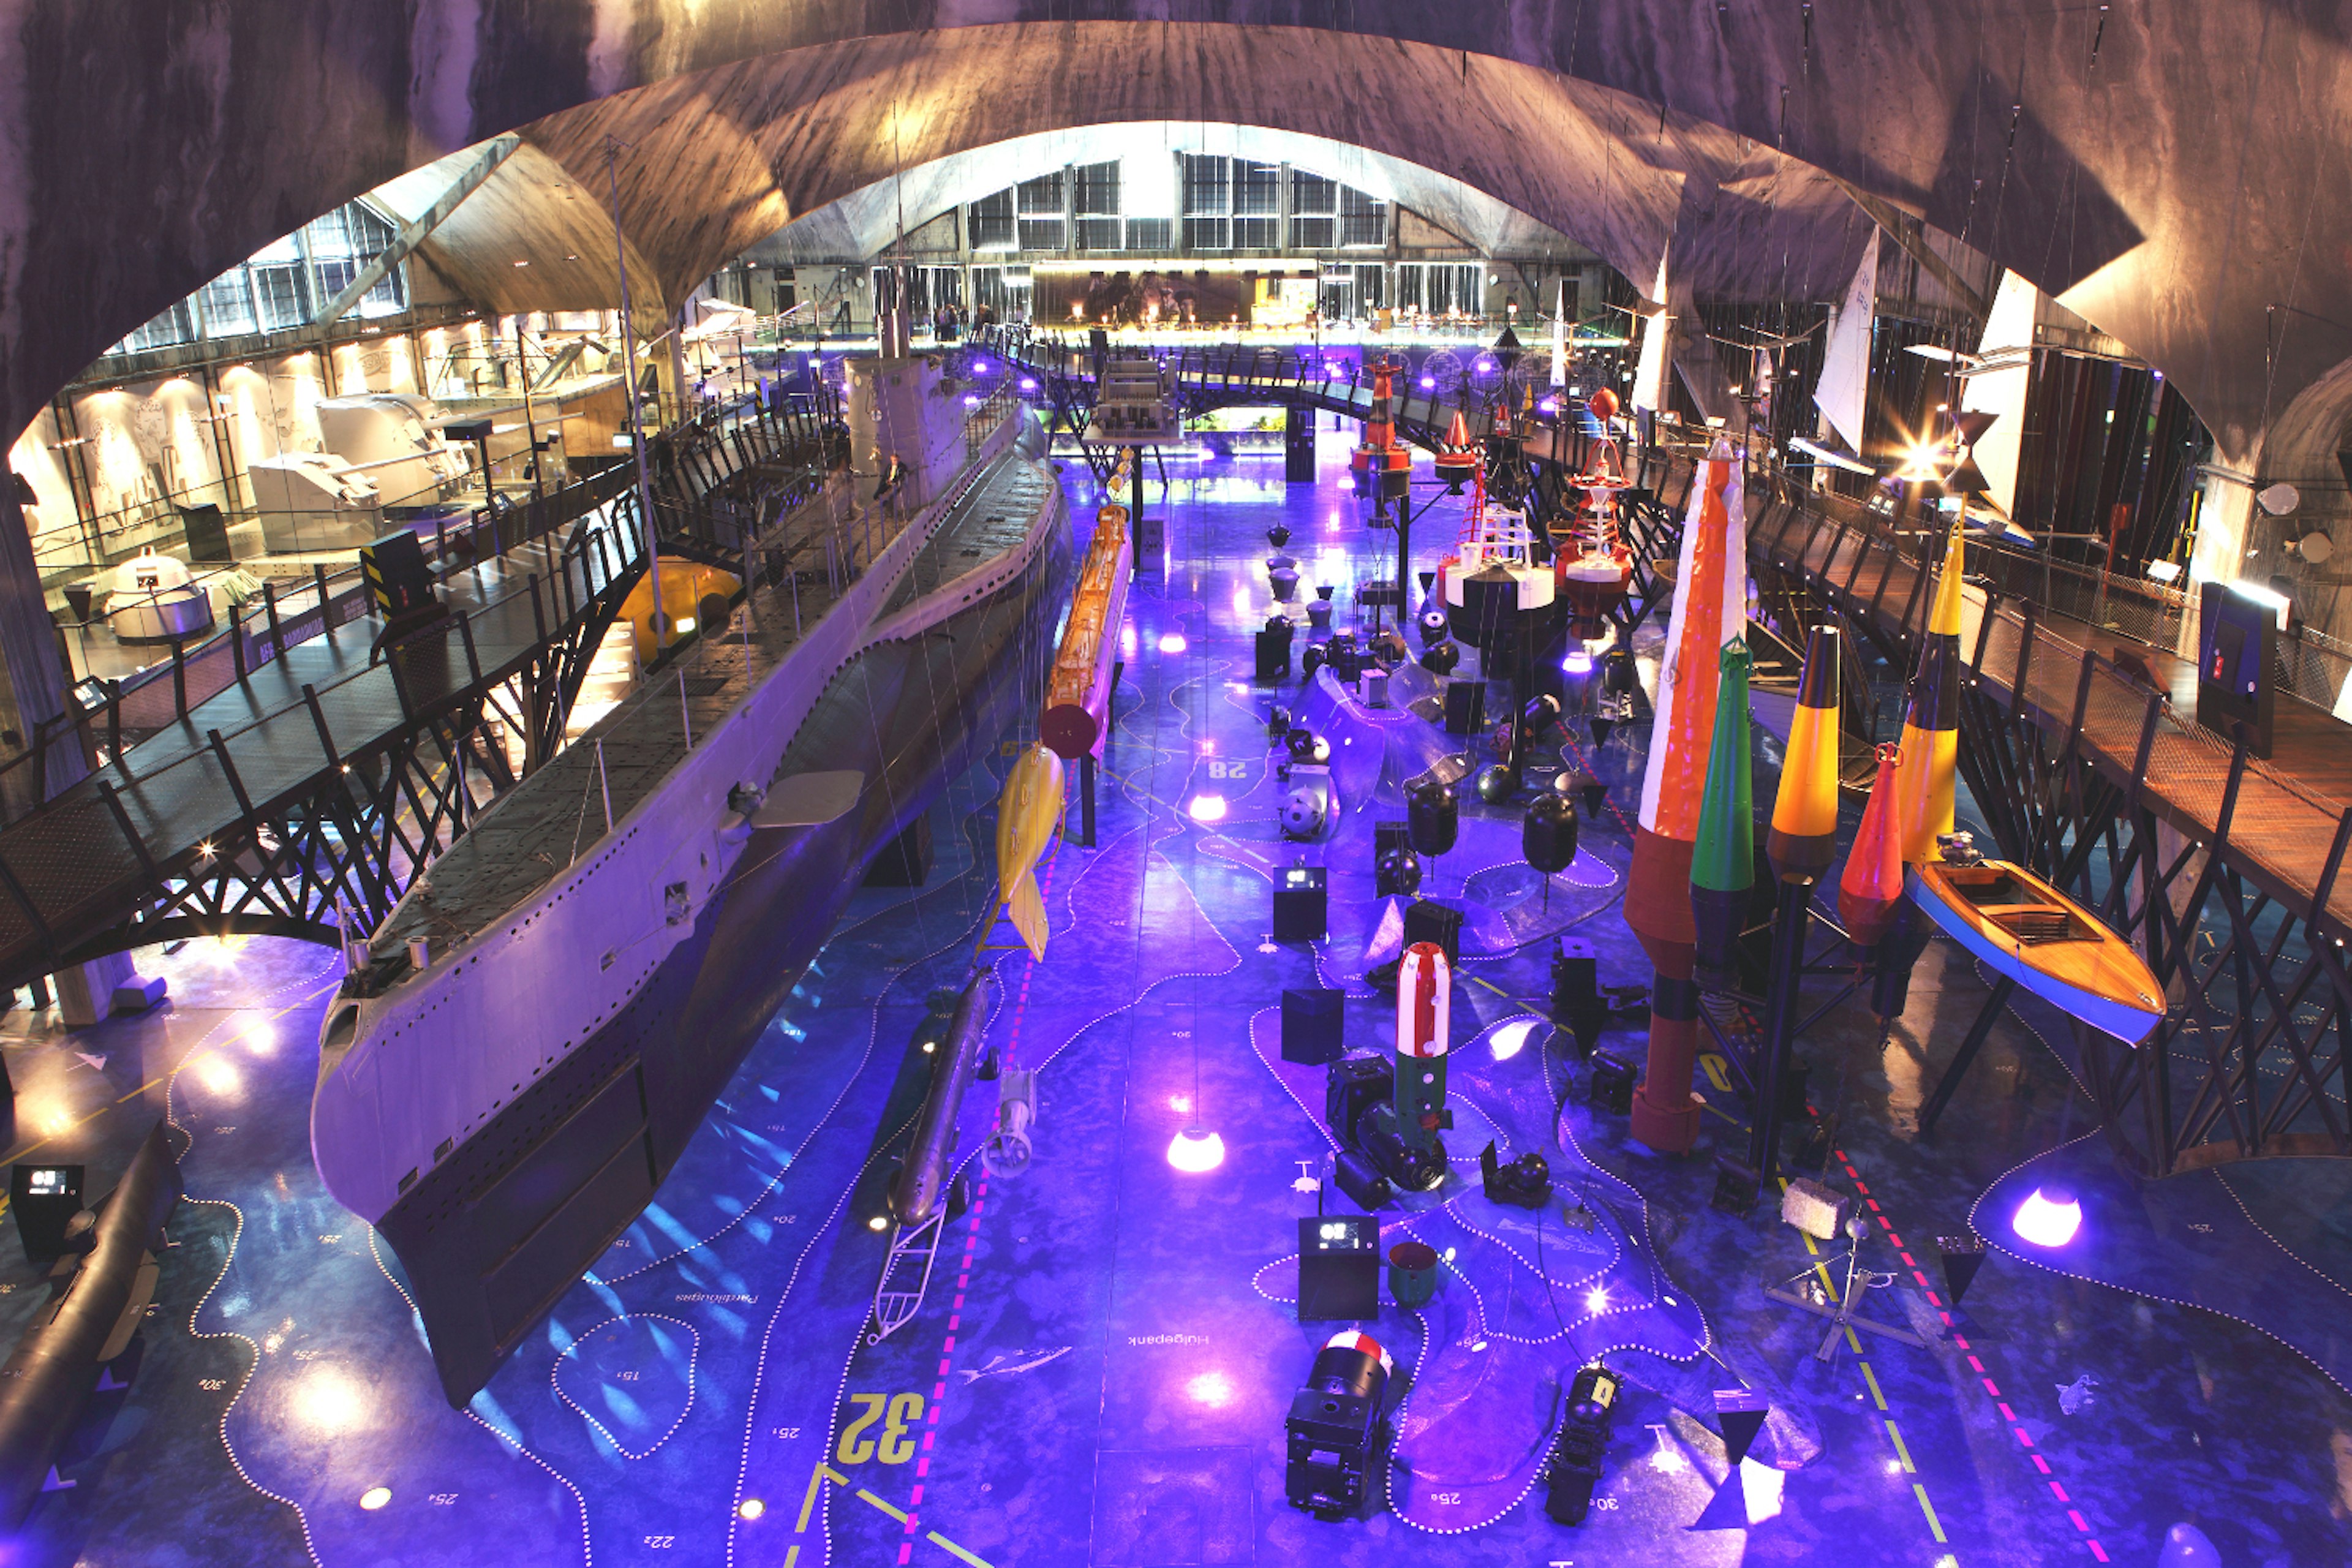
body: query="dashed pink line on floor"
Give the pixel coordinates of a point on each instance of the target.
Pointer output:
(964, 1274)
(1992, 1390)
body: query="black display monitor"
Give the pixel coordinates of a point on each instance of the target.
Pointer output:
(44, 1198)
(2237, 663)
(1338, 1268)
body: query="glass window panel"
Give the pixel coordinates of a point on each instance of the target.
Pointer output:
(335, 277)
(1041, 233)
(1312, 196)
(1206, 234)
(991, 222)
(1041, 196)
(1256, 233)
(1362, 220)
(1150, 234)
(386, 297)
(988, 289)
(1313, 233)
(1409, 294)
(327, 237)
(372, 233)
(1097, 193)
(174, 326)
(1003, 289)
(1470, 291)
(1208, 186)
(1258, 188)
(228, 305)
(1098, 234)
(278, 295)
(1372, 287)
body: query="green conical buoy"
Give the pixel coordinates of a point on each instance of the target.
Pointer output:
(1723, 860)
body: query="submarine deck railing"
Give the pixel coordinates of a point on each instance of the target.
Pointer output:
(83, 858)
(807, 562)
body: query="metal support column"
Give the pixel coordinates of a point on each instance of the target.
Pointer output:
(1789, 923)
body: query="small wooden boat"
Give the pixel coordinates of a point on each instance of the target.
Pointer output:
(2029, 931)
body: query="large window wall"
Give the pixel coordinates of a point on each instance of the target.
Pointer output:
(1213, 206)
(1440, 287)
(285, 284)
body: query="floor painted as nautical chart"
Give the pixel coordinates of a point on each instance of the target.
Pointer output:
(1099, 1372)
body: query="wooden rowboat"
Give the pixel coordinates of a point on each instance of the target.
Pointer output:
(2028, 930)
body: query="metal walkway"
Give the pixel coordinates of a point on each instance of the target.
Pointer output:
(1231, 377)
(278, 782)
(2081, 752)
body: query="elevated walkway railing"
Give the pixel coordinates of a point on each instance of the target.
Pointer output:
(294, 765)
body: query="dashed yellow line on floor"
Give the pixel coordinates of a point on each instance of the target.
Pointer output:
(959, 1551)
(1902, 1451)
(1928, 1508)
(1877, 1395)
(824, 1473)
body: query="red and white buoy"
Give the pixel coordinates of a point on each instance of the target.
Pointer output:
(1425, 1033)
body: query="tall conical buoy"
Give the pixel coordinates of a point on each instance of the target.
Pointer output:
(1803, 839)
(1871, 884)
(1709, 610)
(1931, 734)
(1458, 459)
(1723, 863)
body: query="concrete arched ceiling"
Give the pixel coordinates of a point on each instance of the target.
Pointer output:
(714, 160)
(2161, 167)
(864, 222)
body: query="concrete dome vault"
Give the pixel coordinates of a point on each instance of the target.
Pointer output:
(2155, 166)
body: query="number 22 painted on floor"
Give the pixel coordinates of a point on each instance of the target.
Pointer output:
(895, 1445)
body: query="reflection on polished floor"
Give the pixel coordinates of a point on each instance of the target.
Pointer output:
(1107, 1350)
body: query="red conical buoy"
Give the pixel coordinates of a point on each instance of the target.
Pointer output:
(1458, 460)
(1871, 884)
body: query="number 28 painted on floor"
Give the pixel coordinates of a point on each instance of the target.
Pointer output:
(895, 1443)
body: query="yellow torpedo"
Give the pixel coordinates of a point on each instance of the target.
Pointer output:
(1028, 814)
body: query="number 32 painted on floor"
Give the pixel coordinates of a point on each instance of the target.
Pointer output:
(895, 1446)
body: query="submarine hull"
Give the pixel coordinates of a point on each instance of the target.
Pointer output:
(492, 1236)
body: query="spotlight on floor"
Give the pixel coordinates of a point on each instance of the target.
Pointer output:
(1172, 642)
(1207, 808)
(376, 1498)
(751, 1508)
(1194, 1151)
(2049, 1216)
(879, 1222)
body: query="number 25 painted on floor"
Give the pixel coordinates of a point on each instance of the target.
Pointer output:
(897, 1444)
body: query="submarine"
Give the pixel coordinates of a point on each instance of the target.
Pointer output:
(603, 946)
